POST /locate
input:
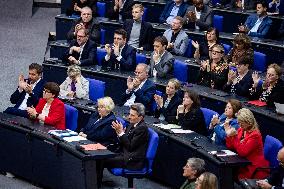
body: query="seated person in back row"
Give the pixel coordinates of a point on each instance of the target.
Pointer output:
(161, 60)
(121, 56)
(28, 93)
(99, 128)
(82, 51)
(77, 6)
(257, 25)
(120, 9)
(75, 85)
(177, 38)
(49, 110)
(86, 22)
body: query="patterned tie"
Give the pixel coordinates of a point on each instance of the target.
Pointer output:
(73, 86)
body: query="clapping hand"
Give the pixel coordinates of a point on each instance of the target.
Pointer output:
(28, 89)
(263, 184)
(108, 49)
(214, 121)
(231, 76)
(156, 56)
(31, 111)
(116, 49)
(195, 44)
(22, 83)
(118, 127)
(255, 78)
(73, 60)
(204, 65)
(159, 100)
(230, 131)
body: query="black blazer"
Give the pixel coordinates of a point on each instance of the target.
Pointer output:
(193, 120)
(134, 144)
(94, 31)
(127, 62)
(241, 88)
(276, 178)
(145, 95)
(146, 33)
(17, 97)
(101, 131)
(89, 54)
(171, 111)
(126, 11)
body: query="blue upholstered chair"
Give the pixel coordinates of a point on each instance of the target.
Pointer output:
(150, 156)
(145, 14)
(121, 120)
(103, 36)
(271, 147)
(218, 22)
(101, 9)
(227, 48)
(96, 89)
(180, 71)
(101, 53)
(71, 117)
(140, 58)
(208, 114)
(189, 51)
(259, 61)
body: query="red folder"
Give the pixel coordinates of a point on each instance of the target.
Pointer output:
(257, 103)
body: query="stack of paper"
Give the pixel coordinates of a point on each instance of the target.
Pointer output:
(223, 153)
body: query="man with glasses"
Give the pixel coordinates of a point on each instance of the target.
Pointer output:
(120, 55)
(276, 178)
(82, 51)
(86, 22)
(140, 89)
(28, 92)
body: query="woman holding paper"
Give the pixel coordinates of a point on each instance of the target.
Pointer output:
(272, 88)
(167, 105)
(216, 127)
(247, 142)
(189, 114)
(99, 128)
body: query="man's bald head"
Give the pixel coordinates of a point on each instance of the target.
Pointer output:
(86, 14)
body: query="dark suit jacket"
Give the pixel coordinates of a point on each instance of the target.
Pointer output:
(127, 62)
(168, 8)
(89, 54)
(101, 131)
(126, 11)
(262, 29)
(93, 27)
(171, 111)
(146, 33)
(134, 145)
(89, 3)
(17, 97)
(193, 120)
(276, 178)
(165, 67)
(281, 31)
(205, 21)
(145, 95)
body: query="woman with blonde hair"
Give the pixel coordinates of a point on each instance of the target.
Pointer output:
(206, 181)
(247, 143)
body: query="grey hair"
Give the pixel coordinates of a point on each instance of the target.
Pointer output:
(145, 66)
(197, 164)
(106, 102)
(139, 108)
(73, 70)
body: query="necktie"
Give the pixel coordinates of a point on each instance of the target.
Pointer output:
(73, 86)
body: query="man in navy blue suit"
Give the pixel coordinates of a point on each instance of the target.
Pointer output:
(120, 55)
(82, 51)
(257, 25)
(140, 89)
(28, 92)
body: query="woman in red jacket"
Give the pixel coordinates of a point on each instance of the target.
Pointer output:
(49, 110)
(247, 142)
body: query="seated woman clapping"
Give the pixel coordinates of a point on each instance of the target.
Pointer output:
(189, 114)
(49, 110)
(98, 128)
(247, 143)
(167, 105)
(216, 127)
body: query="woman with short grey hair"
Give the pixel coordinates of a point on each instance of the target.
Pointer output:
(192, 170)
(75, 85)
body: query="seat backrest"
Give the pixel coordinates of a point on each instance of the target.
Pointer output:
(271, 147)
(145, 14)
(189, 51)
(208, 114)
(259, 61)
(152, 148)
(227, 48)
(101, 53)
(101, 9)
(218, 22)
(180, 71)
(140, 58)
(96, 89)
(121, 120)
(103, 36)
(71, 117)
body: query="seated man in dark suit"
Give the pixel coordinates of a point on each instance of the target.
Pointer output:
(121, 9)
(276, 178)
(161, 60)
(82, 51)
(257, 25)
(139, 33)
(173, 9)
(198, 16)
(28, 93)
(140, 89)
(87, 22)
(77, 5)
(121, 56)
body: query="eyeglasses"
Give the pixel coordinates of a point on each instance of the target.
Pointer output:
(46, 91)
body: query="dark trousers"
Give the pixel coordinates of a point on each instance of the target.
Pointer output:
(17, 112)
